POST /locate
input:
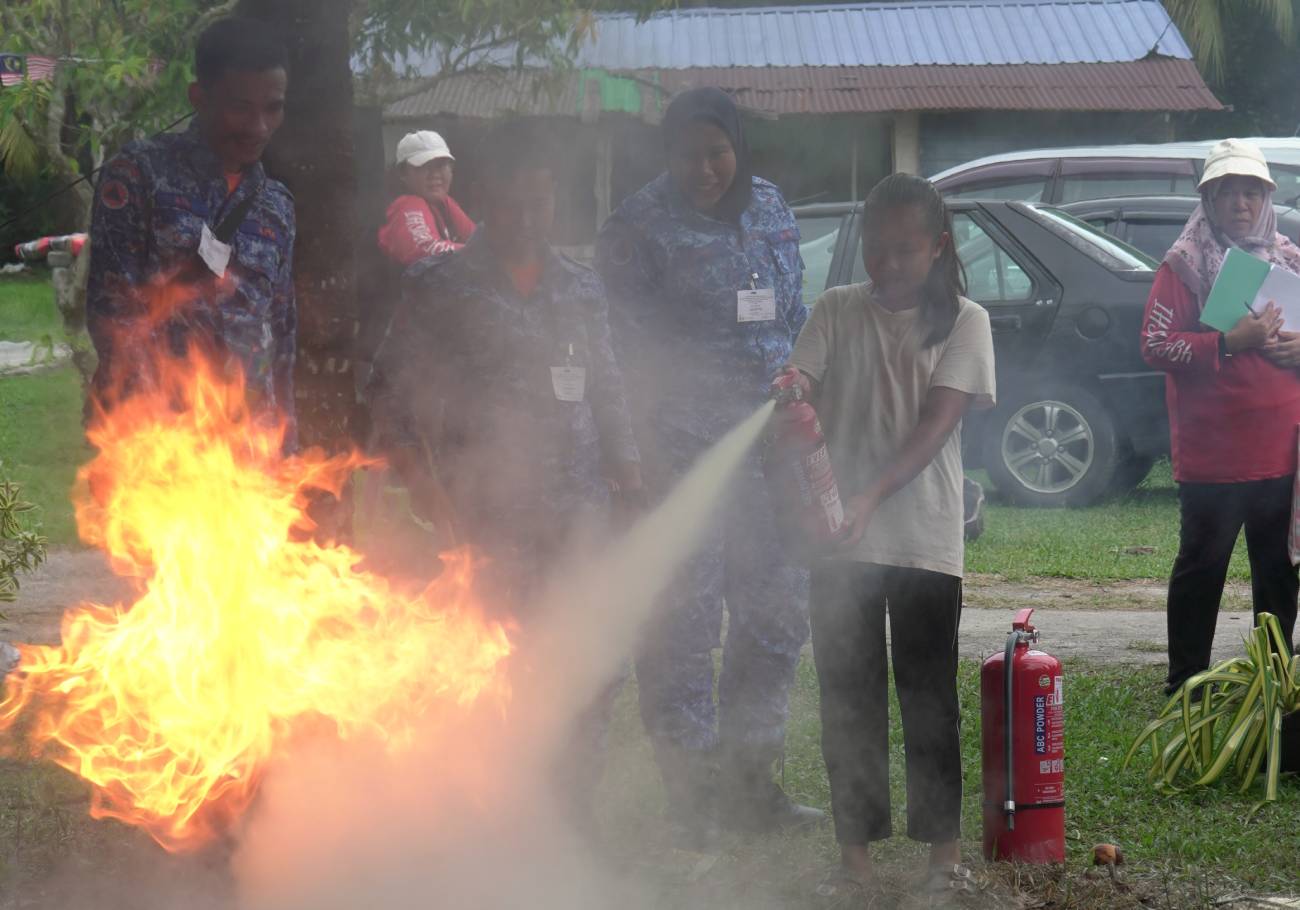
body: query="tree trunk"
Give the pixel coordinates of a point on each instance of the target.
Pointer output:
(312, 153)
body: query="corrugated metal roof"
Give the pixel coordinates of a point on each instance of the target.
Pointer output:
(1158, 84)
(1147, 85)
(907, 33)
(915, 33)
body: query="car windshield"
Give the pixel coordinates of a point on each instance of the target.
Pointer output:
(1093, 242)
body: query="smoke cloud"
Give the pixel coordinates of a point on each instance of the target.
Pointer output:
(470, 816)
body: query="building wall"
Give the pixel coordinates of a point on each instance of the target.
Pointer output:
(951, 139)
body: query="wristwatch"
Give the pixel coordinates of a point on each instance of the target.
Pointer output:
(1223, 346)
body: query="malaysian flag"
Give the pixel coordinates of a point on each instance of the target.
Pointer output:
(40, 68)
(11, 69)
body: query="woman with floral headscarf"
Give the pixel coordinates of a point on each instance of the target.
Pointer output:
(1234, 405)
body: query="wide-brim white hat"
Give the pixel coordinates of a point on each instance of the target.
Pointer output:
(1235, 157)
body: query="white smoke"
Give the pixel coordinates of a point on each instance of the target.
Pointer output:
(469, 818)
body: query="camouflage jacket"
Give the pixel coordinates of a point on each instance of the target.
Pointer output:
(672, 275)
(151, 203)
(466, 371)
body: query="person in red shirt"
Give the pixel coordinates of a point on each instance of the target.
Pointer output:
(1234, 406)
(425, 220)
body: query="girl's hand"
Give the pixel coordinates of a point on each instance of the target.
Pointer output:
(797, 378)
(1284, 350)
(857, 515)
(1254, 330)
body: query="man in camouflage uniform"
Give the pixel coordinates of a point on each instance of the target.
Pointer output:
(701, 352)
(500, 404)
(156, 274)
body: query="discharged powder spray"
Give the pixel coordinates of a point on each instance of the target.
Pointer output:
(470, 820)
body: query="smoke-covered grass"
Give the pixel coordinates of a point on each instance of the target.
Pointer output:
(1182, 851)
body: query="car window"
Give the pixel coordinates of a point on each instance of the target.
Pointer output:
(1102, 178)
(1019, 190)
(1025, 181)
(1288, 184)
(817, 254)
(1099, 246)
(993, 275)
(1154, 236)
(1103, 186)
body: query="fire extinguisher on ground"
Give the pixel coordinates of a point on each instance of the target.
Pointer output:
(1023, 732)
(797, 466)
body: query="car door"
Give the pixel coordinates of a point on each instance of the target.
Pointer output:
(1001, 276)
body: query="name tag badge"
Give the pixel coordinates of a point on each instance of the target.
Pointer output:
(570, 383)
(214, 253)
(756, 305)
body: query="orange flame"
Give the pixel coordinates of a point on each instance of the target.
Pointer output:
(245, 629)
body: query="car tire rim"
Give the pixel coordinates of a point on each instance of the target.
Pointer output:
(1048, 447)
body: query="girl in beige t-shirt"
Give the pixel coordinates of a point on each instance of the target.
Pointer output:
(892, 366)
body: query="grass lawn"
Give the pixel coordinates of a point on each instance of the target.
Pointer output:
(1131, 537)
(1182, 851)
(27, 310)
(41, 442)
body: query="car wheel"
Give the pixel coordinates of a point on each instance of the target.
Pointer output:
(1054, 447)
(1130, 472)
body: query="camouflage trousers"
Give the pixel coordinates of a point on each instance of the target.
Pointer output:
(744, 566)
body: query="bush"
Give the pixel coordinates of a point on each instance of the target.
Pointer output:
(25, 201)
(22, 548)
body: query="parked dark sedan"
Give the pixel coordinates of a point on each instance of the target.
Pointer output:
(1079, 413)
(1153, 223)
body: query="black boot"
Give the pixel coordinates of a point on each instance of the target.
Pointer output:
(753, 802)
(690, 791)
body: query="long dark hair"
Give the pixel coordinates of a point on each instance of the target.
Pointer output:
(947, 279)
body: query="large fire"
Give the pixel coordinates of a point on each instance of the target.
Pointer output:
(245, 630)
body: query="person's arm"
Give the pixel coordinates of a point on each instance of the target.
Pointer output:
(408, 377)
(119, 253)
(608, 399)
(632, 286)
(1175, 341)
(940, 414)
(284, 331)
(461, 225)
(812, 349)
(793, 308)
(411, 234)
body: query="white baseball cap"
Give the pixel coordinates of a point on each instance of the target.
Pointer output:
(1235, 157)
(419, 148)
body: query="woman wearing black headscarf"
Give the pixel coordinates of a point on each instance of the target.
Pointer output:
(704, 280)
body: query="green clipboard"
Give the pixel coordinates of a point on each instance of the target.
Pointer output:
(1234, 290)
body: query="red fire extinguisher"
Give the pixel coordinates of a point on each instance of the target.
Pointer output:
(1023, 731)
(798, 469)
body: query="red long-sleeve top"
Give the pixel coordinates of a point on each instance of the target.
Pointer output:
(1231, 419)
(415, 229)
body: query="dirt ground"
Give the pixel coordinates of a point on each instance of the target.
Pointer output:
(1115, 622)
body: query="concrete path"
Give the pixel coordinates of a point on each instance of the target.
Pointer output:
(1118, 633)
(19, 357)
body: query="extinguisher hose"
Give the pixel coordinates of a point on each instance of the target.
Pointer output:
(1008, 677)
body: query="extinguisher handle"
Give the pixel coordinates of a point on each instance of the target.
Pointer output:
(1021, 622)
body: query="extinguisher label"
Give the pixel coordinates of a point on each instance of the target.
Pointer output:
(1040, 724)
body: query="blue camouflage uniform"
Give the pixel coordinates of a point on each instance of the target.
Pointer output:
(695, 371)
(151, 203)
(466, 369)
(465, 374)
